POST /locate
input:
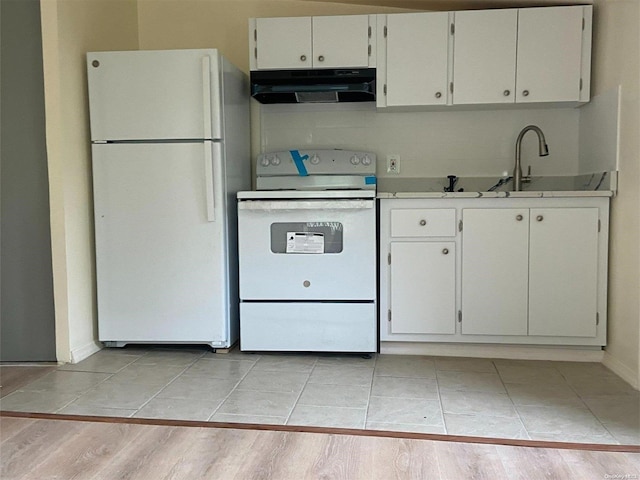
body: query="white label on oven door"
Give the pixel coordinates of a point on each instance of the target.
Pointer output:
(305, 242)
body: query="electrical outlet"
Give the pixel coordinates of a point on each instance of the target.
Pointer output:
(393, 163)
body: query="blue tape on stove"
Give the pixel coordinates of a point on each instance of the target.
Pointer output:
(298, 160)
(370, 180)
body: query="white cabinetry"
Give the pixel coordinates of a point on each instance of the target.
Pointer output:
(502, 56)
(310, 42)
(413, 59)
(563, 271)
(418, 256)
(530, 271)
(494, 270)
(527, 55)
(554, 54)
(484, 65)
(495, 266)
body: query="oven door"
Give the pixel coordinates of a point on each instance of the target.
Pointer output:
(307, 249)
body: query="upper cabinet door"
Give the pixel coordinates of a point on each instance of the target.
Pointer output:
(341, 41)
(283, 43)
(549, 66)
(417, 59)
(154, 95)
(484, 68)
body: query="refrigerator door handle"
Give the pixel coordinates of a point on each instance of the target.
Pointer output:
(208, 181)
(206, 96)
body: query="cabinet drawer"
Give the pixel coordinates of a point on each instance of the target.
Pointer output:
(423, 222)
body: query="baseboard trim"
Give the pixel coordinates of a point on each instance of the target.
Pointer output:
(79, 354)
(514, 352)
(329, 430)
(620, 369)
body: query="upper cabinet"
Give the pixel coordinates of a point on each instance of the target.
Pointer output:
(554, 61)
(311, 42)
(484, 60)
(414, 70)
(490, 57)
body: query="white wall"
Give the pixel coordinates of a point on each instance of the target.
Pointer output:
(430, 144)
(616, 61)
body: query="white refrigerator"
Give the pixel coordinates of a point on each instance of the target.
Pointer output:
(170, 148)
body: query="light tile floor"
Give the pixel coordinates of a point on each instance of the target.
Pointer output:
(537, 400)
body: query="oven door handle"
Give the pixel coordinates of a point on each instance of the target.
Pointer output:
(323, 205)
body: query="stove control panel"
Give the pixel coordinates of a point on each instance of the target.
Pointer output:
(302, 163)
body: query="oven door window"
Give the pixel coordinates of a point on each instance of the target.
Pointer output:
(306, 238)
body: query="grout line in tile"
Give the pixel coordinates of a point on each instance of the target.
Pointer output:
(165, 386)
(524, 426)
(373, 379)
(235, 387)
(444, 423)
(295, 404)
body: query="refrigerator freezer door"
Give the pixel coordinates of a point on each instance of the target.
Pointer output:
(160, 261)
(155, 95)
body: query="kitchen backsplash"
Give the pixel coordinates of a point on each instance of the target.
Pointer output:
(430, 144)
(465, 143)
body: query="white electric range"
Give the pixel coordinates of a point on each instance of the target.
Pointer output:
(307, 249)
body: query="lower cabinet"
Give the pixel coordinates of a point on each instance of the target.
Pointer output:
(494, 270)
(423, 287)
(530, 271)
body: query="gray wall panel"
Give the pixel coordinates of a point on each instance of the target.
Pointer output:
(27, 323)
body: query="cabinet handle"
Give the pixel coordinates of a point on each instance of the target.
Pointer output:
(519, 218)
(438, 94)
(539, 218)
(321, 58)
(445, 251)
(303, 58)
(525, 93)
(507, 93)
(423, 222)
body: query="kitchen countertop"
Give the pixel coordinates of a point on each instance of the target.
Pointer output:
(602, 184)
(524, 194)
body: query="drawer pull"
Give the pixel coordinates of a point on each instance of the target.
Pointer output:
(519, 218)
(445, 251)
(539, 218)
(306, 284)
(423, 222)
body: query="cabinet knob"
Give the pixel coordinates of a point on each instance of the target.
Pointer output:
(423, 222)
(445, 251)
(306, 284)
(321, 58)
(303, 58)
(506, 93)
(519, 218)
(525, 93)
(539, 218)
(438, 94)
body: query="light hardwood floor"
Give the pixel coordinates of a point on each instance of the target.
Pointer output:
(63, 449)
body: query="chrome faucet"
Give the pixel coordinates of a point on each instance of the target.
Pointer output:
(543, 151)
